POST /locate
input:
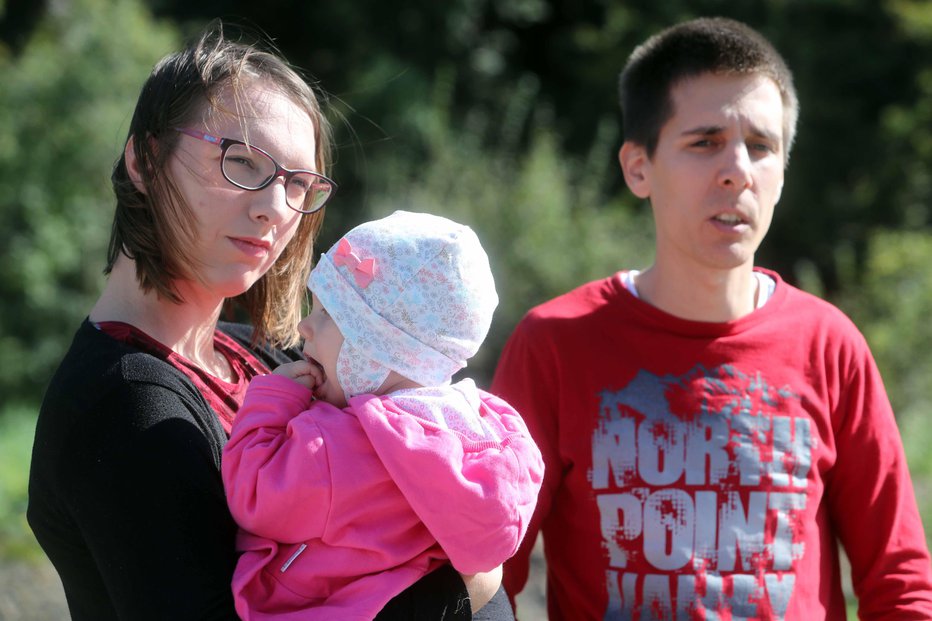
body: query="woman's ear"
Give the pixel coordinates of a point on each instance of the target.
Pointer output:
(132, 165)
(636, 168)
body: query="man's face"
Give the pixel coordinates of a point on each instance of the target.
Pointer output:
(717, 171)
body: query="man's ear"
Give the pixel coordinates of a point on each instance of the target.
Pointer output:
(636, 168)
(132, 165)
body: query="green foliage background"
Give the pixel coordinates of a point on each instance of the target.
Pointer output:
(498, 113)
(65, 103)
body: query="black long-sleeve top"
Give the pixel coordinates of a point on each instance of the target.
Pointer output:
(125, 494)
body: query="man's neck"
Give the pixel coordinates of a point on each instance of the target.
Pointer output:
(709, 295)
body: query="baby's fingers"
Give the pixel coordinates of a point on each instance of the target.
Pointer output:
(302, 371)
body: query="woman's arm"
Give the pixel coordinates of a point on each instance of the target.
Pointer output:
(483, 586)
(127, 501)
(443, 594)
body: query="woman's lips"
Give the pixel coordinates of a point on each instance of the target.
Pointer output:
(251, 246)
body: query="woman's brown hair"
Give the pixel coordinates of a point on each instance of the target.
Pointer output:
(151, 226)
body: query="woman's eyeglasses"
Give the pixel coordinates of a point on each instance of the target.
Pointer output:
(251, 168)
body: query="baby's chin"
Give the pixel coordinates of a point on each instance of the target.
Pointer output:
(333, 396)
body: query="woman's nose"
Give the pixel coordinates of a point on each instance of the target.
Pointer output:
(270, 204)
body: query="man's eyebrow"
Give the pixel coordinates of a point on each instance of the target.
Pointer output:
(712, 130)
(766, 134)
(703, 130)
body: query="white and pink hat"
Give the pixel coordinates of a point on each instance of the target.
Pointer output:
(412, 293)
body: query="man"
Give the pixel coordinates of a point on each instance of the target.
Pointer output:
(709, 431)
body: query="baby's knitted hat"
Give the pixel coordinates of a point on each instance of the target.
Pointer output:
(412, 293)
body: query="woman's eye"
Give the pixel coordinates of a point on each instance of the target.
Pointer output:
(302, 184)
(239, 160)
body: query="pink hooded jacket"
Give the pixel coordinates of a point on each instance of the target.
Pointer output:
(341, 510)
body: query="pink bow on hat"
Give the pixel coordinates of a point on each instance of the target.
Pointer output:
(363, 270)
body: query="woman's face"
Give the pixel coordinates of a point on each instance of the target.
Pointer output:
(241, 233)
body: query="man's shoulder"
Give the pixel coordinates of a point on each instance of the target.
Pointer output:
(579, 302)
(800, 301)
(810, 314)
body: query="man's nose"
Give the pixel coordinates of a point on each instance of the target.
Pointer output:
(736, 167)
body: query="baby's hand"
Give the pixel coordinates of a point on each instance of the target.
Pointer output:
(303, 372)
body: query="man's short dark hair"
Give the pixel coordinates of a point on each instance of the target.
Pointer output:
(706, 45)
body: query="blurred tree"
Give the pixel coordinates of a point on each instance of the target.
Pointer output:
(544, 217)
(426, 94)
(855, 61)
(891, 299)
(18, 18)
(64, 108)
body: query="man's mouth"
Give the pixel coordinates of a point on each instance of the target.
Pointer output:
(729, 218)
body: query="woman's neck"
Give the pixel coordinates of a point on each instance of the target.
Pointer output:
(187, 328)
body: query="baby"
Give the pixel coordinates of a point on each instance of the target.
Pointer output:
(357, 471)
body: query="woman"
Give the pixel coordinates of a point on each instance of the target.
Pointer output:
(219, 195)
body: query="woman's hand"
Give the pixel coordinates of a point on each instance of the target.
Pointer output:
(304, 372)
(482, 586)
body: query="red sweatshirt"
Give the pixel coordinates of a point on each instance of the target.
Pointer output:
(705, 470)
